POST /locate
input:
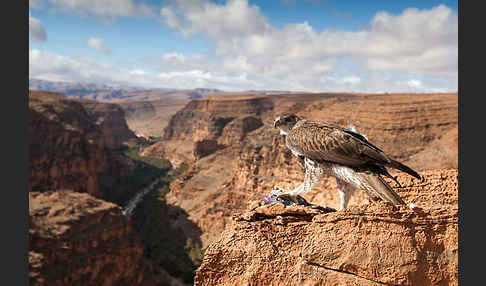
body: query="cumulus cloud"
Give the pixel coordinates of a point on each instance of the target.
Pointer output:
(54, 67)
(99, 45)
(37, 33)
(51, 66)
(415, 41)
(106, 10)
(234, 18)
(415, 50)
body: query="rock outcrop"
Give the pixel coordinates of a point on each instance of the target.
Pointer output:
(206, 125)
(111, 119)
(72, 147)
(75, 239)
(368, 244)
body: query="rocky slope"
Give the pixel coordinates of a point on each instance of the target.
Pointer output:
(111, 120)
(71, 145)
(239, 164)
(209, 124)
(79, 145)
(150, 117)
(75, 239)
(368, 244)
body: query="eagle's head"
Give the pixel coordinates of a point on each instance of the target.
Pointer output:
(285, 123)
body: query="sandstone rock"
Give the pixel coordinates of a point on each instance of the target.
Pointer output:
(225, 119)
(76, 239)
(369, 244)
(111, 119)
(68, 146)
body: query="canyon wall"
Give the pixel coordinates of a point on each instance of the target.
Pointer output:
(72, 144)
(75, 239)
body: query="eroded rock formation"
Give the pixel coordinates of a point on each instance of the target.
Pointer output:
(75, 239)
(368, 244)
(71, 144)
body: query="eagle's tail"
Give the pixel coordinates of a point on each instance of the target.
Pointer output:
(381, 188)
(403, 168)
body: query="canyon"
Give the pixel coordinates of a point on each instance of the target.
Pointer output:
(230, 165)
(225, 156)
(78, 178)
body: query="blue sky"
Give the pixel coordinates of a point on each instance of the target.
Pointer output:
(310, 45)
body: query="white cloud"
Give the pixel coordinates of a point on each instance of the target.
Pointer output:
(37, 33)
(413, 83)
(249, 53)
(106, 10)
(234, 18)
(99, 45)
(180, 61)
(422, 42)
(50, 66)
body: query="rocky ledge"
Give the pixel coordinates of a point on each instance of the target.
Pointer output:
(369, 244)
(76, 239)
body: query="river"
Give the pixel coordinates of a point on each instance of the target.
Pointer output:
(132, 204)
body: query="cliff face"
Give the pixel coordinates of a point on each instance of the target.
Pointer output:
(111, 120)
(369, 244)
(206, 125)
(150, 117)
(76, 239)
(70, 146)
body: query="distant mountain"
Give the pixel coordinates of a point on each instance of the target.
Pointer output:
(147, 111)
(105, 92)
(83, 90)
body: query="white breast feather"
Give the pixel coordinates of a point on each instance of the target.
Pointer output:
(346, 174)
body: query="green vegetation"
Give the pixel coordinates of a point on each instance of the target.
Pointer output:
(146, 170)
(171, 241)
(194, 251)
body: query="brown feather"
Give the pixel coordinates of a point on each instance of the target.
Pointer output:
(322, 142)
(381, 188)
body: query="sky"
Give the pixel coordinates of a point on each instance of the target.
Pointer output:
(237, 45)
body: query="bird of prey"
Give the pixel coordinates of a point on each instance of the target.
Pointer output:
(340, 152)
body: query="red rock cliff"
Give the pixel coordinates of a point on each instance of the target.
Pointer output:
(70, 147)
(111, 119)
(75, 239)
(369, 244)
(206, 125)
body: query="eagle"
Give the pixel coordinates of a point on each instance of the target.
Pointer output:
(344, 153)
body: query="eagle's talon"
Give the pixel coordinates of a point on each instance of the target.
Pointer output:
(286, 196)
(278, 195)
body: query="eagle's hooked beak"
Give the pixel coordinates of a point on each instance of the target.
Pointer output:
(276, 122)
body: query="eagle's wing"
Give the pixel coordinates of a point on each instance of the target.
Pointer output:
(318, 141)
